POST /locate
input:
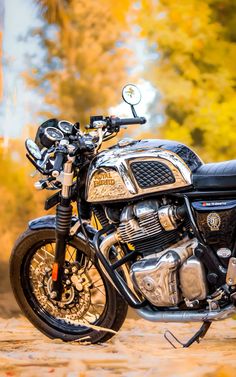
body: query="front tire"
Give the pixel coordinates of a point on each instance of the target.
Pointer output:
(82, 304)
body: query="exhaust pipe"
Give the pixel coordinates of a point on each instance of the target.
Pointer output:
(186, 316)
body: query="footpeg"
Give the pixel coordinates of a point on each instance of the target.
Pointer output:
(196, 338)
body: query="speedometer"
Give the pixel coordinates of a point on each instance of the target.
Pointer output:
(50, 136)
(65, 126)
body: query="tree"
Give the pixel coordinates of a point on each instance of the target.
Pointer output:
(195, 70)
(85, 58)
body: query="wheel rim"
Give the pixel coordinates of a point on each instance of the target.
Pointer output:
(84, 298)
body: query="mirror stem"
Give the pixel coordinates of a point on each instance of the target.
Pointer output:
(134, 111)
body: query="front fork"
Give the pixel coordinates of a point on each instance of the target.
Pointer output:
(63, 224)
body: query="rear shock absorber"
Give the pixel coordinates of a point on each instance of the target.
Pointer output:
(63, 224)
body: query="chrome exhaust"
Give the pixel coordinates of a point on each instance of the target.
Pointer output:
(186, 316)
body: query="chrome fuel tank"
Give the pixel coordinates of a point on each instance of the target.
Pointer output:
(140, 168)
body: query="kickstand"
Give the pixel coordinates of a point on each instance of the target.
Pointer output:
(196, 337)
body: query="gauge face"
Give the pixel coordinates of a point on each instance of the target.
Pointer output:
(65, 126)
(33, 149)
(53, 134)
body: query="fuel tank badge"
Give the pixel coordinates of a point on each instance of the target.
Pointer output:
(104, 179)
(214, 221)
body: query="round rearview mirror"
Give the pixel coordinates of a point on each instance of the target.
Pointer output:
(131, 94)
(33, 149)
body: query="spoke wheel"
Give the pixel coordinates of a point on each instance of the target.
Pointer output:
(89, 302)
(84, 295)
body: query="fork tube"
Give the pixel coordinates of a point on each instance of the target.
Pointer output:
(63, 224)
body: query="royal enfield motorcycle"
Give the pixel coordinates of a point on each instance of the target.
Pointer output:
(163, 243)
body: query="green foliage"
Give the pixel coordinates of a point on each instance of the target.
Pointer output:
(196, 71)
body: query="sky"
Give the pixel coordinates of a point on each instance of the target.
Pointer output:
(18, 103)
(21, 104)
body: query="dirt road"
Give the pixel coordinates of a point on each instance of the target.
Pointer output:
(139, 349)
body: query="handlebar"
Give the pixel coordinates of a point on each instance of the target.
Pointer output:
(81, 143)
(127, 121)
(113, 123)
(58, 163)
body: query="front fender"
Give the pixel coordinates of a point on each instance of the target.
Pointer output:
(44, 222)
(49, 222)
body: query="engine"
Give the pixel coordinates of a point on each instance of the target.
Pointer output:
(150, 226)
(168, 272)
(174, 276)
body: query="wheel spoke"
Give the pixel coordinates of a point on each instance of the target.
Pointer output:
(100, 291)
(74, 305)
(47, 252)
(97, 286)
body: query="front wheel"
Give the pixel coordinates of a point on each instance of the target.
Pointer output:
(89, 302)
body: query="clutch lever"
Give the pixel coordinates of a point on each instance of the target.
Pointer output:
(43, 172)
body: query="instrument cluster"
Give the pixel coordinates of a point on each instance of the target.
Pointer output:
(53, 131)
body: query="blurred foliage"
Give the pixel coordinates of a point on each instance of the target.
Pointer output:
(20, 202)
(86, 63)
(85, 58)
(195, 71)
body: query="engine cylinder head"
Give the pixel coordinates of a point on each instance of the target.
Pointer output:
(150, 227)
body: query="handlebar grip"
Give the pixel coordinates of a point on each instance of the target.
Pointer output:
(58, 164)
(127, 121)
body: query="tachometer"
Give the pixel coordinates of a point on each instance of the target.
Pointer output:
(65, 126)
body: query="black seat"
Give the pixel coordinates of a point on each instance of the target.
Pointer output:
(218, 176)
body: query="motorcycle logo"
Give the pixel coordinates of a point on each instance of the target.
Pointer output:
(130, 92)
(104, 179)
(213, 221)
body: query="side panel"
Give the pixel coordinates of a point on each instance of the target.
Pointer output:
(216, 220)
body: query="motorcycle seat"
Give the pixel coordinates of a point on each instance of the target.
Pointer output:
(220, 176)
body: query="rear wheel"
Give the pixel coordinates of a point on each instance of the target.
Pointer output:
(88, 302)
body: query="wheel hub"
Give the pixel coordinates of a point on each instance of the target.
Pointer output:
(76, 295)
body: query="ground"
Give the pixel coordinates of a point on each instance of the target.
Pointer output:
(139, 349)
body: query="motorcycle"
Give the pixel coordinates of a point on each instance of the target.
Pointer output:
(163, 243)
